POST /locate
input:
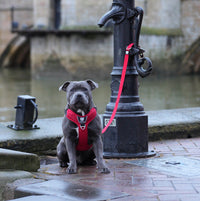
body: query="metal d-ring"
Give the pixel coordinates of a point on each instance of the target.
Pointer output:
(139, 62)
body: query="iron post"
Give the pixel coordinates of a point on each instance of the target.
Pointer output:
(127, 136)
(57, 13)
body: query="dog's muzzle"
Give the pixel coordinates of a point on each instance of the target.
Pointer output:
(79, 98)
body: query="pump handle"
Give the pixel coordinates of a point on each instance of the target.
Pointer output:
(36, 112)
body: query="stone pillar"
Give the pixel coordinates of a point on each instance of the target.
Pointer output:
(82, 13)
(43, 14)
(68, 13)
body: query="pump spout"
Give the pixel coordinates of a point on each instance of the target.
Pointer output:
(117, 13)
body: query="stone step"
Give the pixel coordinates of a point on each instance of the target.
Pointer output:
(16, 160)
(32, 141)
(163, 124)
(9, 176)
(41, 198)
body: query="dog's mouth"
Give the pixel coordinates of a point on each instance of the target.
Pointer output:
(79, 103)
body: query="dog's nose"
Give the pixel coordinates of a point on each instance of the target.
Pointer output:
(79, 96)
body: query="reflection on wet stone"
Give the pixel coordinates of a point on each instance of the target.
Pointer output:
(175, 166)
(68, 191)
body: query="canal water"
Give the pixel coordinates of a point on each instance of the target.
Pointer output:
(155, 93)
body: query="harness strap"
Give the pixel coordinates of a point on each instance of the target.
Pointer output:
(82, 123)
(120, 86)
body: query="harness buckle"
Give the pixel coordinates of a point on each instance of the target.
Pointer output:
(82, 121)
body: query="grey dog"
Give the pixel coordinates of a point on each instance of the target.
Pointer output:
(80, 103)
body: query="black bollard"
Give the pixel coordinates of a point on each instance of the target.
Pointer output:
(127, 136)
(25, 109)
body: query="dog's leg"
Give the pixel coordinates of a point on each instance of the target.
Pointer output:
(62, 153)
(71, 149)
(98, 150)
(86, 158)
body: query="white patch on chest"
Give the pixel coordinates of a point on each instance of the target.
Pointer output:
(77, 132)
(81, 112)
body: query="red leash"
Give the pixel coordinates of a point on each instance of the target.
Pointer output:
(126, 57)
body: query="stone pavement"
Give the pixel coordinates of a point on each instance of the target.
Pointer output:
(173, 175)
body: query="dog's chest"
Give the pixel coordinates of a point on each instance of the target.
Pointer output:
(82, 123)
(82, 135)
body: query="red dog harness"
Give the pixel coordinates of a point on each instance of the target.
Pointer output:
(82, 123)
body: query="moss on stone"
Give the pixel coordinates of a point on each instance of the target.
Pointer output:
(159, 32)
(144, 30)
(174, 131)
(84, 28)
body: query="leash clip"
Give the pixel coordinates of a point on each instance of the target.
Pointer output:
(128, 48)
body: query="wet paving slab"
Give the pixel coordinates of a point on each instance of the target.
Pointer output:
(127, 181)
(41, 198)
(172, 175)
(68, 191)
(173, 165)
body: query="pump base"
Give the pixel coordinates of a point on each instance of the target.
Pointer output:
(129, 155)
(126, 137)
(18, 128)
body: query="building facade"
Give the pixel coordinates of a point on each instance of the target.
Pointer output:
(66, 32)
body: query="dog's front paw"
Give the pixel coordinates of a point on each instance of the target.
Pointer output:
(104, 170)
(63, 164)
(71, 170)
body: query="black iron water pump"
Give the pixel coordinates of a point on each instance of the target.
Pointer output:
(127, 136)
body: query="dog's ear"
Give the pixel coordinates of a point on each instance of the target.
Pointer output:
(92, 84)
(64, 86)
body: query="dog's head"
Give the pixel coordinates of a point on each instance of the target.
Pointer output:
(79, 95)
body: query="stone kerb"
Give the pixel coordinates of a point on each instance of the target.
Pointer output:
(15, 160)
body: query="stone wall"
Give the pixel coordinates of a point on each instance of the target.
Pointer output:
(190, 22)
(22, 17)
(73, 13)
(158, 13)
(161, 13)
(42, 14)
(159, 47)
(78, 54)
(72, 56)
(81, 13)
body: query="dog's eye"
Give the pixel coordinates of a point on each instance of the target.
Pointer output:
(72, 90)
(84, 89)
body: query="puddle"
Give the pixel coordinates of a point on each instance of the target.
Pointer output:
(175, 165)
